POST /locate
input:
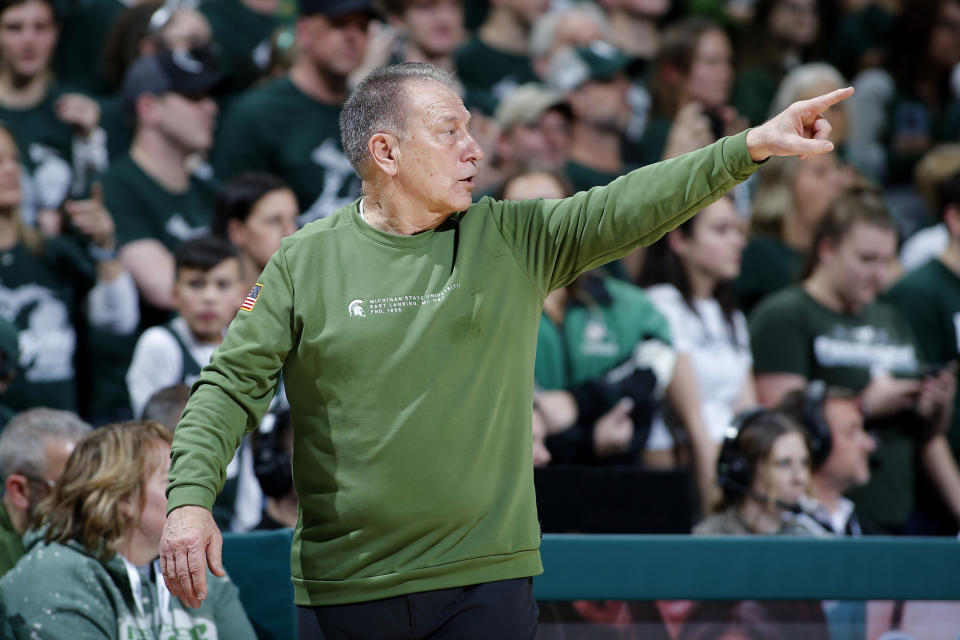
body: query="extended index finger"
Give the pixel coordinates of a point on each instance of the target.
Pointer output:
(821, 103)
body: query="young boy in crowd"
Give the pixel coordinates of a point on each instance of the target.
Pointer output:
(207, 292)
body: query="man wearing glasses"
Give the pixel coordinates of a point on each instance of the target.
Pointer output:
(34, 448)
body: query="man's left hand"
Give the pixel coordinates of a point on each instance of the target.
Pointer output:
(798, 130)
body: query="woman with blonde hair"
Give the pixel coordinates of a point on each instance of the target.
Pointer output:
(92, 570)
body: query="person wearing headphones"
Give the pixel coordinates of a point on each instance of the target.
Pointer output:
(840, 451)
(763, 470)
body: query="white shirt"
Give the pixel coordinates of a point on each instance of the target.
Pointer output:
(721, 360)
(157, 361)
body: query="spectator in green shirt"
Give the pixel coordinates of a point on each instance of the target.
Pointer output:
(56, 130)
(832, 327)
(34, 448)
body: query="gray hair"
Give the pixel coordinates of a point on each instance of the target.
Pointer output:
(379, 103)
(22, 441)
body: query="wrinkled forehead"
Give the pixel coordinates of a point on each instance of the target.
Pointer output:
(429, 103)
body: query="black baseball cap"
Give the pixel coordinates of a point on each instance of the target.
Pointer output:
(336, 8)
(193, 73)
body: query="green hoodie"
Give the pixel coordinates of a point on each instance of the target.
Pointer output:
(408, 363)
(59, 591)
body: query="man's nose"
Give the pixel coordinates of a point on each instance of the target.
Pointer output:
(473, 151)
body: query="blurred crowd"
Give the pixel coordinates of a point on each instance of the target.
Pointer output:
(793, 348)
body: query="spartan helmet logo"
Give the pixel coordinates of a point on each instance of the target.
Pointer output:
(355, 308)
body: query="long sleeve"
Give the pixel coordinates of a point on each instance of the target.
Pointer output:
(234, 390)
(557, 240)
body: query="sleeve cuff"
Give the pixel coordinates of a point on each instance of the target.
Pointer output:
(737, 158)
(190, 495)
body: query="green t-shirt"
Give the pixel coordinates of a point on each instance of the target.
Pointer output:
(767, 265)
(790, 332)
(489, 74)
(244, 39)
(143, 209)
(408, 363)
(84, 26)
(11, 543)
(41, 295)
(281, 130)
(593, 339)
(46, 151)
(929, 298)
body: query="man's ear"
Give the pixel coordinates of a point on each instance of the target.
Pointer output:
(825, 250)
(16, 487)
(383, 147)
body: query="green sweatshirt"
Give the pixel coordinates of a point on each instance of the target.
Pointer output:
(60, 591)
(408, 363)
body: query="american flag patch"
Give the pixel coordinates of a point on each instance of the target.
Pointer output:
(251, 298)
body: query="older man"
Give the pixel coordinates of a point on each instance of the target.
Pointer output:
(405, 327)
(34, 449)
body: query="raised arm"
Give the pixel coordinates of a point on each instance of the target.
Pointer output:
(798, 130)
(229, 399)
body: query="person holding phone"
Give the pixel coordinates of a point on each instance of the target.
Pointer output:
(832, 327)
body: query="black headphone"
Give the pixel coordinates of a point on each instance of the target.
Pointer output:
(272, 462)
(733, 471)
(819, 438)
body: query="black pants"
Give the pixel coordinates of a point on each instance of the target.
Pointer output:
(504, 610)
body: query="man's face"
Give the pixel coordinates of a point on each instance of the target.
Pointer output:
(208, 300)
(437, 154)
(602, 103)
(848, 464)
(555, 126)
(28, 35)
(434, 26)
(56, 452)
(333, 45)
(523, 144)
(187, 121)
